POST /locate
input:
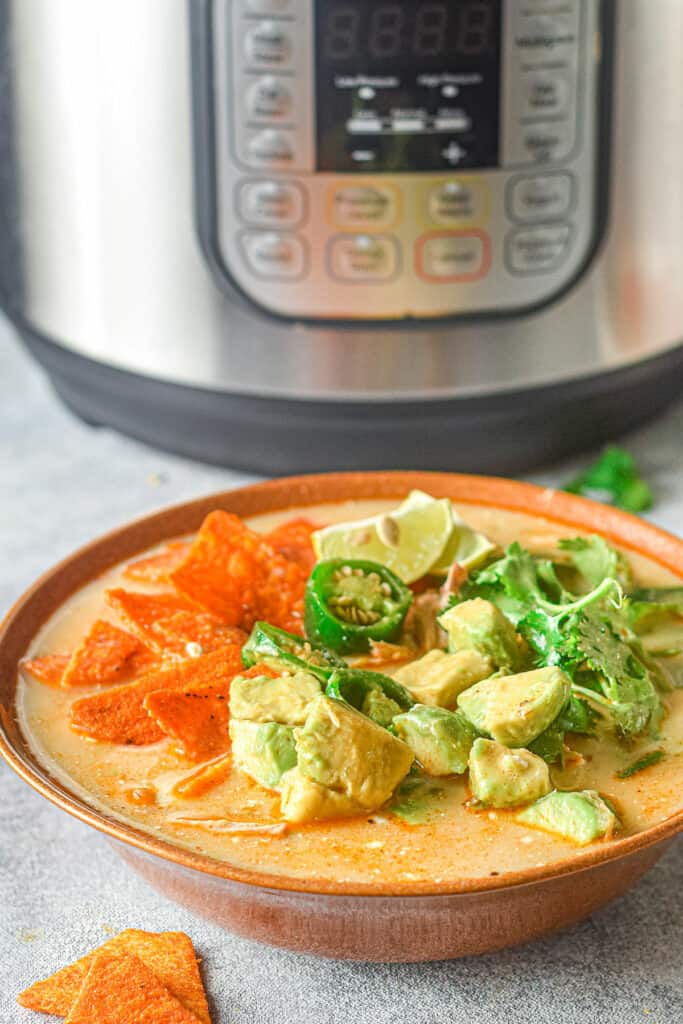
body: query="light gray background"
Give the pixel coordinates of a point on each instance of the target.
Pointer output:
(63, 889)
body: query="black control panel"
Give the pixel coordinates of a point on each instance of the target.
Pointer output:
(407, 86)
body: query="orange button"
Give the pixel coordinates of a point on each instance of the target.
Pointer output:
(448, 256)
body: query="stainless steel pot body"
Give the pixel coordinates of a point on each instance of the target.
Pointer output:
(102, 254)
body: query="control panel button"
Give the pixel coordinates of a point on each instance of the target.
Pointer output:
(268, 44)
(271, 204)
(547, 143)
(363, 257)
(541, 197)
(537, 250)
(269, 148)
(357, 205)
(549, 36)
(265, 6)
(269, 97)
(456, 201)
(274, 256)
(460, 256)
(546, 94)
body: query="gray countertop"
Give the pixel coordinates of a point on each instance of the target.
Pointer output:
(63, 889)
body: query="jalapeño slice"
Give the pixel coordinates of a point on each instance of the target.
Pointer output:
(376, 695)
(289, 652)
(350, 602)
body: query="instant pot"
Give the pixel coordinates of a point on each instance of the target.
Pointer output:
(302, 234)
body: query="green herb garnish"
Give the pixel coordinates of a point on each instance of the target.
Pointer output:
(614, 480)
(588, 636)
(646, 761)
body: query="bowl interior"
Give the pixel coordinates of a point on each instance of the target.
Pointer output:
(48, 594)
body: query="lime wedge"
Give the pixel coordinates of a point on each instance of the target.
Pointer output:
(408, 540)
(465, 544)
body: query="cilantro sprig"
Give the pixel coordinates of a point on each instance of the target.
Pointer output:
(615, 480)
(587, 634)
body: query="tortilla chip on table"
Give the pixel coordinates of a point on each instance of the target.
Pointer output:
(170, 956)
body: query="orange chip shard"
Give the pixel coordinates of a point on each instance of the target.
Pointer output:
(142, 611)
(234, 573)
(107, 655)
(293, 541)
(120, 989)
(49, 669)
(156, 568)
(118, 715)
(197, 718)
(169, 955)
(206, 777)
(203, 628)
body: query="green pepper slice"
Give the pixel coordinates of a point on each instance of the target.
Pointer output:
(376, 695)
(350, 602)
(288, 651)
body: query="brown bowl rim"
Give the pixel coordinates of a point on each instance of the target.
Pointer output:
(136, 536)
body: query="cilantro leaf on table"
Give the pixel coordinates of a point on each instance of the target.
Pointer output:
(614, 479)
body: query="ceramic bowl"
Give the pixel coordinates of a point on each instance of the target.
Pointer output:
(377, 921)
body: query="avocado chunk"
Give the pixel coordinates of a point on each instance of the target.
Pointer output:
(263, 750)
(380, 708)
(477, 625)
(500, 777)
(284, 700)
(342, 749)
(302, 799)
(516, 709)
(437, 678)
(582, 816)
(440, 740)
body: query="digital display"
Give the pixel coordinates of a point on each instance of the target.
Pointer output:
(410, 85)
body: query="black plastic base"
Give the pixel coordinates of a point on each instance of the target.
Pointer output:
(505, 433)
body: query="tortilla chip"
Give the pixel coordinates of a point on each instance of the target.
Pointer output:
(292, 540)
(49, 669)
(204, 778)
(234, 573)
(121, 989)
(107, 655)
(142, 611)
(118, 715)
(197, 718)
(203, 628)
(156, 568)
(170, 955)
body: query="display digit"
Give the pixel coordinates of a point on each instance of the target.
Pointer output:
(476, 22)
(386, 28)
(341, 35)
(430, 30)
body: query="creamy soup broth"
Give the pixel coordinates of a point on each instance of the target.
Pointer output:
(454, 843)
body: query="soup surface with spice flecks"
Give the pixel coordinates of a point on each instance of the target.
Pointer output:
(449, 839)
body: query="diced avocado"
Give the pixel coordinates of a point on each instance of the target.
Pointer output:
(302, 799)
(342, 749)
(500, 777)
(479, 626)
(582, 816)
(284, 699)
(264, 750)
(438, 678)
(440, 740)
(516, 709)
(380, 708)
